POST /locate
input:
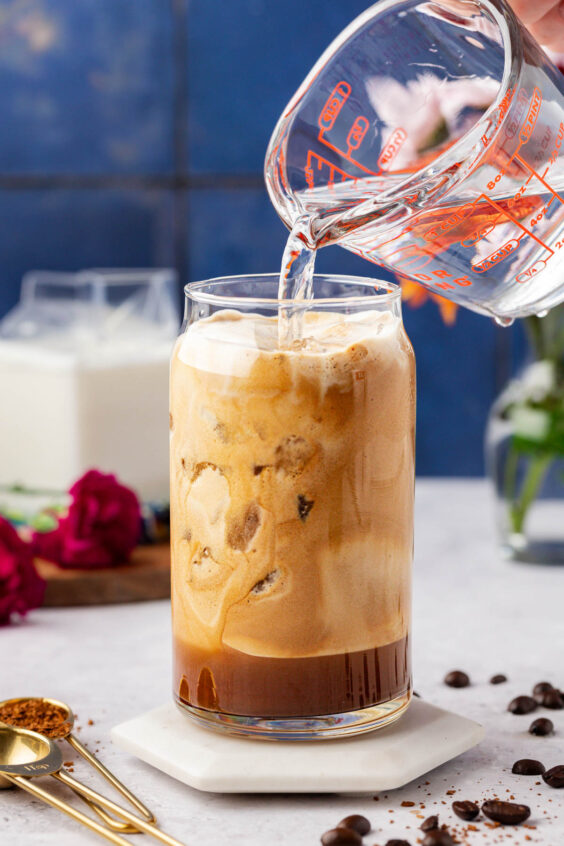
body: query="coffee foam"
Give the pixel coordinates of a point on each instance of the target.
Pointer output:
(229, 342)
(292, 485)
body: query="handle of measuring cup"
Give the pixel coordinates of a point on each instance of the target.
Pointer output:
(116, 783)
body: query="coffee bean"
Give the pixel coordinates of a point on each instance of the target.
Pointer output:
(554, 777)
(522, 705)
(541, 727)
(528, 767)
(456, 678)
(466, 810)
(499, 679)
(430, 823)
(398, 843)
(541, 687)
(552, 699)
(438, 837)
(357, 823)
(506, 813)
(341, 837)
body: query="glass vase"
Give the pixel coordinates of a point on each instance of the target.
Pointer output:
(525, 448)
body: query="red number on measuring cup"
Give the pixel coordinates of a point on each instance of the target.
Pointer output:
(334, 104)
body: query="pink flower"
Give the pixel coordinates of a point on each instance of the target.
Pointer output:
(21, 586)
(428, 109)
(101, 528)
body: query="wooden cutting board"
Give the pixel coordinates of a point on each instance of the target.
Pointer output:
(146, 576)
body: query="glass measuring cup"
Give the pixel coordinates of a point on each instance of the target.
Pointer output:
(428, 138)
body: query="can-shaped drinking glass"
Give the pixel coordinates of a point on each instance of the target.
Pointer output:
(292, 476)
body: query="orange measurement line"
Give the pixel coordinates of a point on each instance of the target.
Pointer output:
(519, 224)
(539, 177)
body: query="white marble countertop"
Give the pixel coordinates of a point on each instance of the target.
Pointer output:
(472, 611)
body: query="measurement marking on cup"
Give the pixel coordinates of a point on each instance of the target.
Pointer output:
(539, 177)
(517, 223)
(315, 162)
(327, 118)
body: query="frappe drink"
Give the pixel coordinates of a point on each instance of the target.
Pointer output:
(292, 478)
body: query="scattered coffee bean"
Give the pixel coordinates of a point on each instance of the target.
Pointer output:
(456, 678)
(341, 837)
(540, 689)
(430, 823)
(554, 777)
(541, 727)
(466, 810)
(528, 767)
(357, 822)
(398, 843)
(552, 699)
(438, 837)
(522, 705)
(506, 813)
(498, 679)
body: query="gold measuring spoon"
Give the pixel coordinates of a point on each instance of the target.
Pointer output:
(25, 755)
(64, 732)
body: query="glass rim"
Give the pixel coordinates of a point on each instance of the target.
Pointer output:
(196, 291)
(510, 30)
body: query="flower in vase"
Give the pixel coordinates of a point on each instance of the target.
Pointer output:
(101, 528)
(21, 586)
(432, 112)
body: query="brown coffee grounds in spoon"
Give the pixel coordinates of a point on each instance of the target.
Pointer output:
(36, 715)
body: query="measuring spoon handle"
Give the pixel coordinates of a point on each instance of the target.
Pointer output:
(111, 778)
(98, 799)
(39, 793)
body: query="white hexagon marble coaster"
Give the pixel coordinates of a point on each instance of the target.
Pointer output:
(422, 739)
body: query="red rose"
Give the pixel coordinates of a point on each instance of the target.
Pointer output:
(21, 586)
(101, 528)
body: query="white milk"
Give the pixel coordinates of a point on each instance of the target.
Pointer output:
(85, 395)
(60, 416)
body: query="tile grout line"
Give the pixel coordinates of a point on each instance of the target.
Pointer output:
(178, 181)
(182, 184)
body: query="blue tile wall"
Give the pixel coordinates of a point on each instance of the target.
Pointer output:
(246, 59)
(86, 86)
(73, 229)
(233, 231)
(134, 133)
(456, 384)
